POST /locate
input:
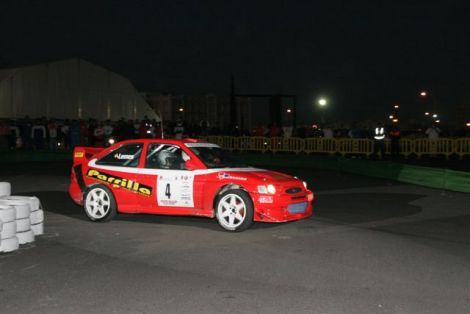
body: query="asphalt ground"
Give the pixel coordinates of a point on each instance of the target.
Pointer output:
(373, 246)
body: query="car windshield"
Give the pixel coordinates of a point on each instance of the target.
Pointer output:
(215, 157)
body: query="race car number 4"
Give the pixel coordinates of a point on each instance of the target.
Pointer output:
(175, 188)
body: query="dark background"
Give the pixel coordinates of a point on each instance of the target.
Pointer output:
(362, 55)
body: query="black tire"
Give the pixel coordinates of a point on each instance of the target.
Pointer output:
(99, 203)
(234, 210)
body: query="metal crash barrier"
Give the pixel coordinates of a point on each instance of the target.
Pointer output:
(342, 146)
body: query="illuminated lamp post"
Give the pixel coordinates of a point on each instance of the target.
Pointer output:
(322, 103)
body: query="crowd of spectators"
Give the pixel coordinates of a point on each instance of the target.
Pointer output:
(54, 134)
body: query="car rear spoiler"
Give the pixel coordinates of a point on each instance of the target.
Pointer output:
(85, 153)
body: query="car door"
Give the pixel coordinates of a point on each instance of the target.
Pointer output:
(118, 170)
(175, 189)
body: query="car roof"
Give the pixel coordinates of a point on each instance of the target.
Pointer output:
(163, 141)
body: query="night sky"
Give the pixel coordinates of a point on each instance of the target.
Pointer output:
(362, 55)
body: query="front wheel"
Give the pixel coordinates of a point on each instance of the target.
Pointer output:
(99, 203)
(234, 210)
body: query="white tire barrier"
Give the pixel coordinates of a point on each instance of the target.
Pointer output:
(9, 245)
(33, 201)
(23, 225)
(5, 189)
(21, 219)
(38, 229)
(25, 237)
(37, 216)
(8, 230)
(7, 213)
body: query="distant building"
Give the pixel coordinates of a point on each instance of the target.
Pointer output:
(197, 108)
(69, 89)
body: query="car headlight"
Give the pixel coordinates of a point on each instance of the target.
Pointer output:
(305, 184)
(266, 189)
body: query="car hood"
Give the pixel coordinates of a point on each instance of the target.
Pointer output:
(260, 175)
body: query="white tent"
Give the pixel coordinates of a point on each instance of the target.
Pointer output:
(72, 89)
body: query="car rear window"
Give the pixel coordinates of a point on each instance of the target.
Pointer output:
(125, 156)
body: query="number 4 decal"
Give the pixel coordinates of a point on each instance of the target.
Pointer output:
(167, 191)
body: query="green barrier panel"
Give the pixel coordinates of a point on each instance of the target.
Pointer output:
(457, 181)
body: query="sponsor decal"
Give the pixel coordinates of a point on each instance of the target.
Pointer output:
(123, 156)
(265, 199)
(225, 175)
(116, 181)
(78, 154)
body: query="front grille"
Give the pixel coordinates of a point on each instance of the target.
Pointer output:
(293, 190)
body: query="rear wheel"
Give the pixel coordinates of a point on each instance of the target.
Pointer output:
(99, 203)
(234, 210)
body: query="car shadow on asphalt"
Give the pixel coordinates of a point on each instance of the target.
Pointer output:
(60, 203)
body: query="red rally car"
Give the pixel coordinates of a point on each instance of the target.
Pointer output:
(183, 177)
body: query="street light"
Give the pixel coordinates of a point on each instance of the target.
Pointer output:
(468, 124)
(396, 106)
(423, 93)
(391, 116)
(181, 109)
(426, 113)
(434, 115)
(289, 110)
(322, 102)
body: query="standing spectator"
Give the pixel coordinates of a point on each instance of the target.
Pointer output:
(65, 136)
(259, 130)
(84, 138)
(327, 132)
(4, 133)
(38, 134)
(74, 134)
(92, 124)
(108, 131)
(98, 135)
(274, 131)
(379, 141)
(25, 129)
(395, 135)
(433, 132)
(52, 131)
(179, 130)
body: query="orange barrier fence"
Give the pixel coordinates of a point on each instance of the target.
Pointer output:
(343, 146)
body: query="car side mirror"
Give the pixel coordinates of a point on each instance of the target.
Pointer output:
(190, 164)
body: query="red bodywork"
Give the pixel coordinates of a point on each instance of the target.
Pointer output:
(137, 188)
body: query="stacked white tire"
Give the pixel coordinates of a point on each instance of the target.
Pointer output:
(5, 189)
(36, 213)
(21, 219)
(8, 240)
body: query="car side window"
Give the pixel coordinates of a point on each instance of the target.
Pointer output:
(165, 156)
(125, 156)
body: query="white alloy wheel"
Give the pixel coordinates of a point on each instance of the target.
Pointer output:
(234, 210)
(99, 204)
